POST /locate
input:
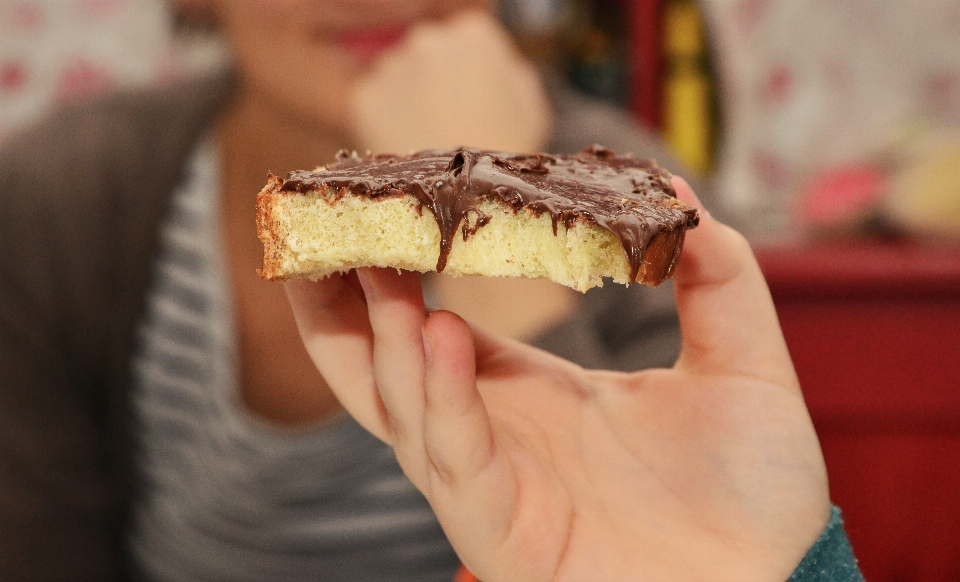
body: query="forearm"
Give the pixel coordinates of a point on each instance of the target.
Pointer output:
(58, 514)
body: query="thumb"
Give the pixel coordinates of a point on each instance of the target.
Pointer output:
(727, 316)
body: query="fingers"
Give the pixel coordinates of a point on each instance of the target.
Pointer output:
(331, 316)
(472, 488)
(411, 99)
(397, 315)
(457, 429)
(369, 345)
(727, 316)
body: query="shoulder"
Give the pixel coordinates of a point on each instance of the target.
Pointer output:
(82, 192)
(581, 121)
(94, 160)
(122, 133)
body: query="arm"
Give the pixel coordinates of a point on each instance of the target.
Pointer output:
(831, 557)
(81, 195)
(541, 470)
(54, 498)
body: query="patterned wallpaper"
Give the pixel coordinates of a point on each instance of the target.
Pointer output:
(813, 84)
(52, 51)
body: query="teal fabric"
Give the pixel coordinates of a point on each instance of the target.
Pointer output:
(831, 557)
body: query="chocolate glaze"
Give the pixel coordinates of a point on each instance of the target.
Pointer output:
(631, 198)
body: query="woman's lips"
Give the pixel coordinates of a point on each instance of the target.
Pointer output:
(368, 44)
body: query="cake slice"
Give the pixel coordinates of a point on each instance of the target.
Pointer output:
(573, 219)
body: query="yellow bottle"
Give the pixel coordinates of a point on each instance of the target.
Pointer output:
(688, 99)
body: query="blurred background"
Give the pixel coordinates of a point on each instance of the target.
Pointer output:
(831, 132)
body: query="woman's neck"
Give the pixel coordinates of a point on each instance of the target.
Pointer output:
(256, 137)
(277, 379)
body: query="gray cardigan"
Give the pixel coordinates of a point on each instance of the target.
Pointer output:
(82, 197)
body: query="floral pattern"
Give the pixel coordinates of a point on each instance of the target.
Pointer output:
(53, 51)
(808, 85)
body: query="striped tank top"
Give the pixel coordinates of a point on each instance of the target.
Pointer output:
(226, 495)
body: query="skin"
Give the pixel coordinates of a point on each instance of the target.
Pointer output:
(541, 470)
(537, 469)
(276, 126)
(299, 63)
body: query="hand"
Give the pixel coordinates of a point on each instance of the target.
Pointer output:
(453, 83)
(540, 470)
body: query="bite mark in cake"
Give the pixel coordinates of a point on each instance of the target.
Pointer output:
(574, 219)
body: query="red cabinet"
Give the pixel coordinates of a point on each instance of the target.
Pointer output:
(874, 332)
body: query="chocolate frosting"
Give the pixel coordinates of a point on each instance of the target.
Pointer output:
(632, 198)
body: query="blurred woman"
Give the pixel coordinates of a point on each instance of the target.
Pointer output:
(159, 417)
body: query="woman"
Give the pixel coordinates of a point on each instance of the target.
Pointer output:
(161, 419)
